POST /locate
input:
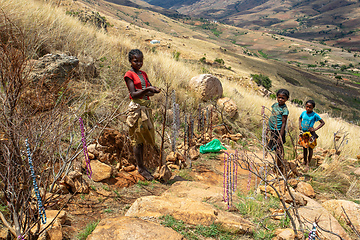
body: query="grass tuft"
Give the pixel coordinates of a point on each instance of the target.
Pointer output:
(88, 230)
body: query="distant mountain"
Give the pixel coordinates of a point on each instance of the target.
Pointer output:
(333, 22)
(163, 10)
(171, 3)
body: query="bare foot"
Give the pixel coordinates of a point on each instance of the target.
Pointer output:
(306, 169)
(146, 174)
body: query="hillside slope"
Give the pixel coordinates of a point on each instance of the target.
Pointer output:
(332, 22)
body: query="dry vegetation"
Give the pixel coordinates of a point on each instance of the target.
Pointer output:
(49, 29)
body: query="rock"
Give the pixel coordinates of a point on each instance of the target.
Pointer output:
(91, 156)
(285, 234)
(299, 199)
(171, 157)
(314, 210)
(129, 168)
(188, 210)
(164, 174)
(126, 179)
(174, 166)
(100, 171)
(208, 86)
(305, 189)
(3, 233)
(128, 228)
(358, 156)
(352, 210)
(46, 77)
(87, 68)
(228, 105)
(54, 232)
(357, 172)
(54, 68)
(93, 18)
(293, 182)
(74, 182)
(193, 153)
(199, 192)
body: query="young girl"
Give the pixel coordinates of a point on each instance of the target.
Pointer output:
(308, 136)
(277, 124)
(141, 126)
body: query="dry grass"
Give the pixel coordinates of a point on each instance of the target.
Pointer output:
(49, 29)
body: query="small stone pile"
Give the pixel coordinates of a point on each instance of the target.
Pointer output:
(175, 161)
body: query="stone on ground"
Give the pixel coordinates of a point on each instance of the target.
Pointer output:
(128, 228)
(285, 234)
(352, 210)
(228, 105)
(306, 189)
(100, 171)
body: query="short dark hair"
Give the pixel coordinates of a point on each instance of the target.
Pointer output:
(310, 101)
(283, 91)
(134, 52)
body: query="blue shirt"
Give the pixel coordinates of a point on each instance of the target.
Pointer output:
(308, 120)
(277, 112)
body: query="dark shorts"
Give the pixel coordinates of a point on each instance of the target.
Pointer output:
(274, 136)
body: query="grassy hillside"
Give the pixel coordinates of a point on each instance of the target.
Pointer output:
(49, 29)
(331, 22)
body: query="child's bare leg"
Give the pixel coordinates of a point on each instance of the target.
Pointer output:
(310, 155)
(305, 156)
(138, 151)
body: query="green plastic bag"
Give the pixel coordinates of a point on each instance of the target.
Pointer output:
(213, 146)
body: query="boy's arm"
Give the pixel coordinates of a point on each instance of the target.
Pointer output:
(300, 120)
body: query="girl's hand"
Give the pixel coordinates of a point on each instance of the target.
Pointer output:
(153, 89)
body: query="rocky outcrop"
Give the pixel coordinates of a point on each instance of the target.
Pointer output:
(352, 211)
(208, 86)
(90, 17)
(48, 78)
(314, 210)
(128, 228)
(228, 105)
(185, 202)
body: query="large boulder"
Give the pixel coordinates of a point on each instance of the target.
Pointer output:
(53, 69)
(208, 86)
(314, 210)
(228, 105)
(127, 228)
(48, 78)
(190, 202)
(352, 210)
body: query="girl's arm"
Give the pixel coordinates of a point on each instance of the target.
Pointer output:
(149, 91)
(284, 120)
(322, 123)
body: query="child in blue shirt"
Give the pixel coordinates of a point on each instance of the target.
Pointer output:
(277, 124)
(306, 124)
